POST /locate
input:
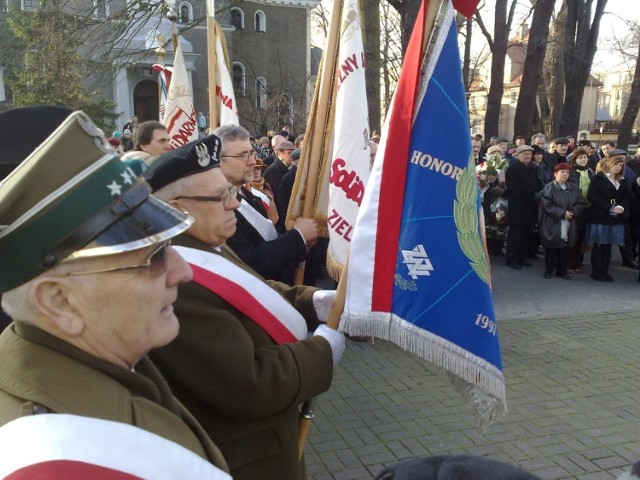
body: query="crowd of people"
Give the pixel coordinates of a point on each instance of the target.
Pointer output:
(106, 245)
(94, 289)
(569, 199)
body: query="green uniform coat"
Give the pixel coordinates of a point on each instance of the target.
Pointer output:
(243, 388)
(38, 369)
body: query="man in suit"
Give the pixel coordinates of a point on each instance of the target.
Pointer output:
(242, 362)
(256, 240)
(523, 185)
(89, 278)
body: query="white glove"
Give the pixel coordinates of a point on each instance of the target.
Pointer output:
(322, 301)
(335, 339)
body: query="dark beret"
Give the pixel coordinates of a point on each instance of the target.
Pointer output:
(561, 141)
(194, 157)
(22, 130)
(458, 467)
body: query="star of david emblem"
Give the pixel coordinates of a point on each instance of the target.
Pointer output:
(417, 262)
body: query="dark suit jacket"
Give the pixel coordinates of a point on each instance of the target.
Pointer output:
(522, 186)
(269, 258)
(242, 387)
(274, 173)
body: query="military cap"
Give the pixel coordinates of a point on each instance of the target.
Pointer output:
(615, 152)
(561, 141)
(74, 198)
(194, 157)
(23, 129)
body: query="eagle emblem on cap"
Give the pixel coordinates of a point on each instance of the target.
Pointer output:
(204, 159)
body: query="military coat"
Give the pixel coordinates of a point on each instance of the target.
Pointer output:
(241, 386)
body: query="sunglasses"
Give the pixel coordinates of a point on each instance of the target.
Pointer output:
(156, 263)
(225, 198)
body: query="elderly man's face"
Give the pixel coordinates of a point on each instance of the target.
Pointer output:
(525, 157)
(129, 312)
(562, 148)
(539, 141)
(475, 147)
(232, 162)
(285, 156)
(214, 223)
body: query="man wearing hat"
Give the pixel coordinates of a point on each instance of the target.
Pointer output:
(242, 362)
(523, 185)
(274, 173)
(89, 278)
(256, 240)
(21, 131)
(559, 155)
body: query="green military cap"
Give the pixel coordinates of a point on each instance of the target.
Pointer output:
(74, 198)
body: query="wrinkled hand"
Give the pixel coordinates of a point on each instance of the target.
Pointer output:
(335, 339)
(308, 228)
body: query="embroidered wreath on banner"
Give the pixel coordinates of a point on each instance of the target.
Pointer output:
(465, 214)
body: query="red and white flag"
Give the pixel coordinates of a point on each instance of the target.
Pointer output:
(164, 79)
(351, 157)
(228, 113)
(54, 446)
(180, 116)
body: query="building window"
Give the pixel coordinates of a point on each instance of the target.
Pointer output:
(513, 97)
(30, 5)
(261, 93)
(237, 18)
(186, 12)
(101, 8)
(238, 79)
(260, 21)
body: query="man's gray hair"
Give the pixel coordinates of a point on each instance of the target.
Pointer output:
(15, 302)
(231, 133)
(182, 186)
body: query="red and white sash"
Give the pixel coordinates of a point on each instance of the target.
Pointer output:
(264, 226)
(53, 446)
(253, 297)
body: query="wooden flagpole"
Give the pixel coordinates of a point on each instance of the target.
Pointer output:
(315, 139)
(320, 116)
(214, 115)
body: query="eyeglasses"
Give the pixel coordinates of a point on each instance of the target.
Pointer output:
(156, 263)
(244, 155)
(225, 198)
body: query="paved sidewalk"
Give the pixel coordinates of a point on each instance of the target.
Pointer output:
(573, 389)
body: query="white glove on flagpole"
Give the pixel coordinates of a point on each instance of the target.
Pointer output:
(322, 302)
(335, 339)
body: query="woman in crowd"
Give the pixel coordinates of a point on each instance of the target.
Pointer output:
(581, 177)
(492, 185)
(561, 203)
(609, 197)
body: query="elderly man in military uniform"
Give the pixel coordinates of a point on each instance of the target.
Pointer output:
(242, 362)
(89, 278)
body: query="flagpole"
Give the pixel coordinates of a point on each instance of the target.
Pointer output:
(324, 107)
(312, 154)
(320, 114)
(214, 118)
